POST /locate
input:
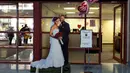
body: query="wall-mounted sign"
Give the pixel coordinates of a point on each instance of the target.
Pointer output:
(86, 39)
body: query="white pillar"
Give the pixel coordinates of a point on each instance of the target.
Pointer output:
(128, 33)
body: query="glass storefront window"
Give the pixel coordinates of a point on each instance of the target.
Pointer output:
(28, 21)
(8, 19)
(46, 24)
(8, 10)
(5, 23)
(26, 9)
(7, 54)
(4, 39)
(25, 55)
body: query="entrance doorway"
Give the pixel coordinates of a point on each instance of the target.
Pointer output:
(113, 33)
(75, 20)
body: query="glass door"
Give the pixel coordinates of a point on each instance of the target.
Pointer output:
(118, 33)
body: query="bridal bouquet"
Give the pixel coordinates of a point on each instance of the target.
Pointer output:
(58, 35)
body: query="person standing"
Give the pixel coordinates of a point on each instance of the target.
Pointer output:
(55, 57)
(65, 29)
(25, 33)
(10, 34)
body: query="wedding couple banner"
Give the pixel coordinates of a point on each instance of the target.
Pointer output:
(86, 39)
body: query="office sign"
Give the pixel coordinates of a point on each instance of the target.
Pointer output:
(86, 39)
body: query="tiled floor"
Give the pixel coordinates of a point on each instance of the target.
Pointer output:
(104, 68)
(75, 56)
(108, 64)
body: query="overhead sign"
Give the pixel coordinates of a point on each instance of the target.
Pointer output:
(86, 39)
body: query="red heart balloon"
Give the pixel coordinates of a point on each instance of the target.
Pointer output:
(79, 26)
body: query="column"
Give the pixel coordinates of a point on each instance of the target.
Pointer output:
(37, 51)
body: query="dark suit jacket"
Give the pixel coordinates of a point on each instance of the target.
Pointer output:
(65, 29)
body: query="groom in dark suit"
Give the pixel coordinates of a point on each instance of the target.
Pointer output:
(65, 29)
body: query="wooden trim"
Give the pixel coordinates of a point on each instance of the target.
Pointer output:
(13, 32)
(14, 17)
(13, 62)
(114, 34)
(100, 28)
(125, 33)
(37, 31)
(121, 32)
(113, 2)
(75, 48)
(74, 17)
(94, 33)
(15, 47)
(117, 59)
(107, 43)
(85, 64)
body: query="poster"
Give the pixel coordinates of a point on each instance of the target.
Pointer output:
(86, 39)
(92, 23)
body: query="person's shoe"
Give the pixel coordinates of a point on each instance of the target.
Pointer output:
(66, 68)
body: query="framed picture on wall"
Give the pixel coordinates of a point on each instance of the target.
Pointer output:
(92, 23)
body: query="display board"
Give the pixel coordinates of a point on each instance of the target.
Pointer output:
(86, 39)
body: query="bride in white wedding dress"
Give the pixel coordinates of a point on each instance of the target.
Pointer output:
(55, 57)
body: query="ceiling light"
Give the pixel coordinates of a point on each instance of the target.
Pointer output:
(70, 12)
(94, 8)
(91, 12)
(68, 2)
(69, 8)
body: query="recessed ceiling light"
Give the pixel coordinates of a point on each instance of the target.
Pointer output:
(69, 8)
(91, 12)
(70, 12)
(68, 2)
(94, 8)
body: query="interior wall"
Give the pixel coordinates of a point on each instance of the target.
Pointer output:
(107, 27)
(73, 24)
(107, 31)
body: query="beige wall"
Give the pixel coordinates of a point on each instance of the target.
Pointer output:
(107, 31)
(73, 24)
(107, 27)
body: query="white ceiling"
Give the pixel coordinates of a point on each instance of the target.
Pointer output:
(53, 9)
(59, 8)
(107, 9)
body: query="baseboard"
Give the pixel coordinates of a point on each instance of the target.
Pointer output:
(107, 43)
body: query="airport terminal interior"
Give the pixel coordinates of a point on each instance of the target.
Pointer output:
(106, 20)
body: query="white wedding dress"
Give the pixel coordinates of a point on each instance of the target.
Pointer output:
(55, 57)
